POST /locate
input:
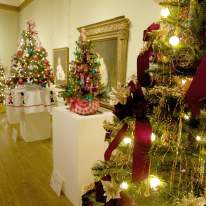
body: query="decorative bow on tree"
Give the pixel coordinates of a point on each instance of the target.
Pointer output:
(144, 57)
(135, 107)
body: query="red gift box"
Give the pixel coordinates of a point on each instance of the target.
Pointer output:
(83, 106)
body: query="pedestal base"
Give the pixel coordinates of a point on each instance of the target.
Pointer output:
(78, 142)
(35, 127)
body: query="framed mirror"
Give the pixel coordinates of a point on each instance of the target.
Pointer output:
(110, 38)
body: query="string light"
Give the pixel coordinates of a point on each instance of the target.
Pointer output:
(174, 40)
(127, 140)
(165, 12)
(198, 138)
(154, 182)
(124, 186)
(153, 137)
(186, 117)
(184, 81)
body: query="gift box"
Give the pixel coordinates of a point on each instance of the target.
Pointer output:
(83, 106)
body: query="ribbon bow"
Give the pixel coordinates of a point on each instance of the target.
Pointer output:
(143, 58)
(135, 107)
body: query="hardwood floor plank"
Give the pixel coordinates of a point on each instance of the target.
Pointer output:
(25, 171)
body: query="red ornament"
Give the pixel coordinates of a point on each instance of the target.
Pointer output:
(88, 79)
(46, 62)
(95, 88)
(19, 53)
(42, 49)
(35, 58)
(21, 81)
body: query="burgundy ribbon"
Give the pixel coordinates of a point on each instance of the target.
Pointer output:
(142, 144)
(197, 89)
(114, 144)
(143, 58)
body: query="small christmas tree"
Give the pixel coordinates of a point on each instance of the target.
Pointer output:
(30, 64)
(2, 84)
(84, 81)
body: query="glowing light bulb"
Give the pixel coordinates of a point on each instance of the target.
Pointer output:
(165, 12)
(154, 182)
(174, 40)
(184, 81)
(153, 137)
(127, 140)
(198, 138)
(124, 186)
(186, 117)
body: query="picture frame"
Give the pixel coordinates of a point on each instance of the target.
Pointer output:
(61, 66)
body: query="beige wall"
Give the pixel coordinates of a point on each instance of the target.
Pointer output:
(57, 21)
(9, 27)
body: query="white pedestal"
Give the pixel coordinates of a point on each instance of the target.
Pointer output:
(78, 142)
(35, 127)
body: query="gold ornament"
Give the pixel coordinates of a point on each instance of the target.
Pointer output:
(184, 13)
(183, 58)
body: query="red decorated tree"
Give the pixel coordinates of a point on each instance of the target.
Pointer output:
(30, 66)
(84, 79)
(156, 152)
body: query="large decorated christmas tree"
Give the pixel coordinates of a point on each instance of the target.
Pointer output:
(84, 79)
(156, 153)
(30, 66)
(2, 84)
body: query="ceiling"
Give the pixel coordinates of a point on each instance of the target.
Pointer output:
(12, 2)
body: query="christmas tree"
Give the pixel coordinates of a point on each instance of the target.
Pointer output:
(30, 65)
(2, 84)
(84, 79)
(156, 152)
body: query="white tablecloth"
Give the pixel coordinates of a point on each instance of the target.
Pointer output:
(22, 101)
(31, 107)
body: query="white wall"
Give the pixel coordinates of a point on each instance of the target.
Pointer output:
(52, 20)
(140, 12)
(9, 26)
(57, 21)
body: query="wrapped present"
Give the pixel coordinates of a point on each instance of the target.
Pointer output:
(83, 106)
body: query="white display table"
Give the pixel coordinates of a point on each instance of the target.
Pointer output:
(78, 142)
(35, 127)
(30, 107)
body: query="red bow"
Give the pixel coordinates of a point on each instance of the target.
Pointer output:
(143, 58)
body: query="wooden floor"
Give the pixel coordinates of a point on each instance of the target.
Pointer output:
(25, 171)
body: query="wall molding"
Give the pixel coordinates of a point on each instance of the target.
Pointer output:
(8, 7)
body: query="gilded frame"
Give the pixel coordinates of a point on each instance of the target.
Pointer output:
(116, 28)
